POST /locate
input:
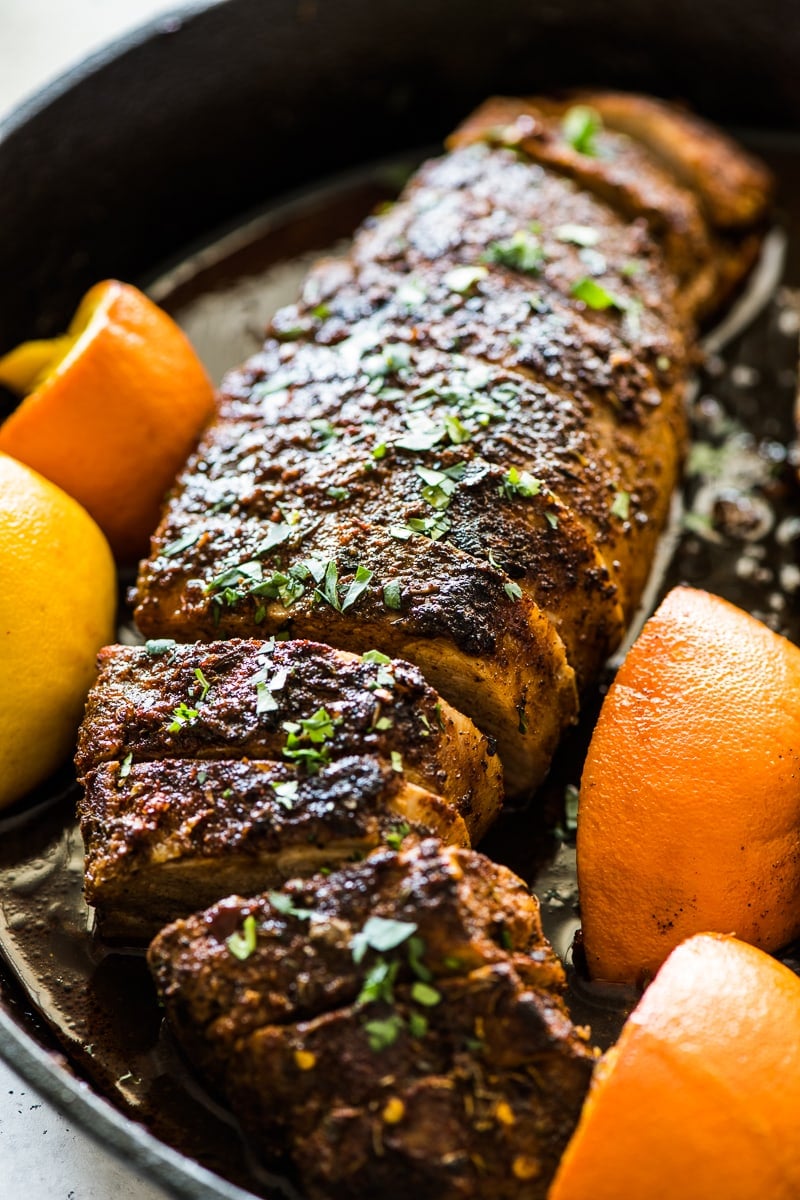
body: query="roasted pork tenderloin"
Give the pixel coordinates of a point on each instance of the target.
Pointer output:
(398, 1024)
(460, 445)
(232, 766)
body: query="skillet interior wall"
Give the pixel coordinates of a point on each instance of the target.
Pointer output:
(171, 135)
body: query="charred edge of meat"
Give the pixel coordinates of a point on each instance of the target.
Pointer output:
(166, 838)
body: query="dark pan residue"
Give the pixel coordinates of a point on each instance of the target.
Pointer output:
(739, 535)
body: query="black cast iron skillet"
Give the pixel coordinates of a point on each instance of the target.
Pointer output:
(180, 129)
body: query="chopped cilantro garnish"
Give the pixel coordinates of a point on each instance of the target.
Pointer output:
(338, 493)
(580, 128)
(551, 518)
(418, 1024)
(426, 995)
(432, 527)
(390, 361)
(397, 761)
(324, 433)
(277, 533)
(522, 251)
(621, 506)
(456, 431)
(125, 766)
(285, 905)
(578, 235)
(316, 730)
(182, 715)
(379, 983)
(440, 485)
(379, 451)
(375, 656)
(512, 590)
(381, 934)
(182, 543)
(242, 945)
(383, 1033)
(596, 296)
(321, 312)
(286, 792)
(395, 837)
(155, 647)
(416, 949)
(463, 279)
(393, 595)
(519, 483)
(357, 587)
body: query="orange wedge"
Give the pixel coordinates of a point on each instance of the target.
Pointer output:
(699, 1099)
(689, 814)
(111, 410)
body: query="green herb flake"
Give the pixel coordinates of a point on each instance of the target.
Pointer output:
(522, 252)
(125, 766)
(286, 792)
(357, 587)
(381, 934)
(418, 1024)
(456, 431)
(241, 945)
(306, 739)
(182, 715)
(416, 950)
(182, 543)
(452, 963)
(379, 451)
(580, 128)
(519, 483)
(383, 1033)
(375, 656)
(397, 761)
(464, 279)
(423, 993)
(596, 297)
(321, 312)
(621, 506)
(506, 940)
(395, 837)
(286, 906)
(378, 983)
(551, 518)
(393, 595)
(155, 647)
(578, 235)
(631, 269)
(338, 493)
(512, 590)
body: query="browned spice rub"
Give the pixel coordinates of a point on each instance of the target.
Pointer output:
(232, 766)
(398, 1025)
(459, 447)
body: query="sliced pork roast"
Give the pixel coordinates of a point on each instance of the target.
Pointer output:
(459, 447)
(398, 1025)
(232, 766)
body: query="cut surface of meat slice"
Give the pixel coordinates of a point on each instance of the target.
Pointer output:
(164, 838)
(427, 1015)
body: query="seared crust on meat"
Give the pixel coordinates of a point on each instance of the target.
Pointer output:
(464, 1068)
(243, 692)
(165, 838)
(460, 445)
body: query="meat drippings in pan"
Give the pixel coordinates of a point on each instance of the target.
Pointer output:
(458, 449)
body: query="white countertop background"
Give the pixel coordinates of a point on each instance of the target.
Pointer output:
(42, 1155)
